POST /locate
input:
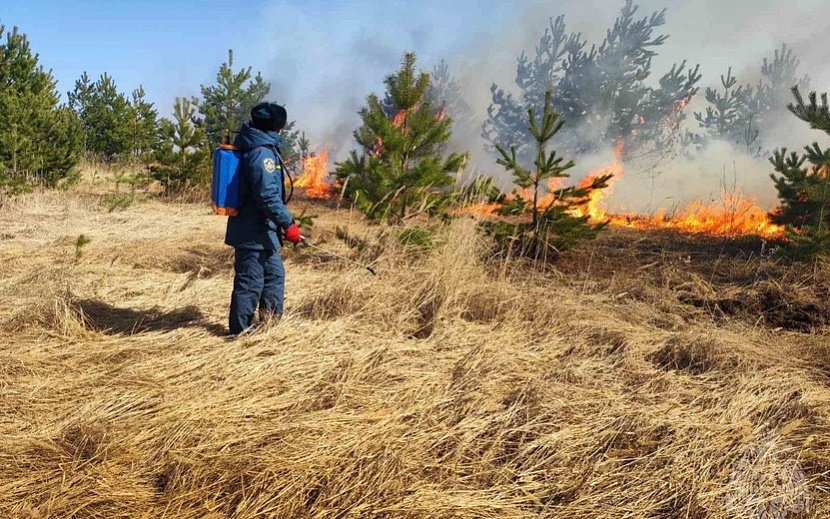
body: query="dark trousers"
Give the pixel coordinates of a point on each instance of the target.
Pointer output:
(259, 281)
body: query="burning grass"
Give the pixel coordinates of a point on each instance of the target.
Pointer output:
(314, 180)
(445, 387)
(735, 215)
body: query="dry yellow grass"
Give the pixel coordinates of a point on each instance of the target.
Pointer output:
(441, 388)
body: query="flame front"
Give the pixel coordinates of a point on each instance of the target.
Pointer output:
(735, 215)
(739, 219)
(594, 208)
(313, 179)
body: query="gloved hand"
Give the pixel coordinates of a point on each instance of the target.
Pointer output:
(292, 234)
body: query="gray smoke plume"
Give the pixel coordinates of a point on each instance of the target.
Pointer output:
(331, 56)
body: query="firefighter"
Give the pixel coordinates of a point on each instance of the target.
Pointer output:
(263, 220)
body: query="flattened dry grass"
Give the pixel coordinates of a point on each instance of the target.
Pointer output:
(444, 387)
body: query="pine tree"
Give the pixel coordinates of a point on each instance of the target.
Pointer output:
(144, 126)
(506, 121)
(62, 148)
(181, 158)
(105, 115)
(731, 114)
(773, 91)
(445, 93)
(290, 151)
(40, 141)
(227, 104)
(399, 170)
(805, 191)
(740, 113)
(79, 101)
(303, 146)
(602, 91)
(558, 224)
(779, 76)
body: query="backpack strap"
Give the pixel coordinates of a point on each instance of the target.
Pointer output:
(286, 198)
(283, 173)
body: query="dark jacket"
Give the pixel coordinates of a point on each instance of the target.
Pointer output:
(261, 208)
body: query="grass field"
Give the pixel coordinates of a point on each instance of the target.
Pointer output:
(643, 376)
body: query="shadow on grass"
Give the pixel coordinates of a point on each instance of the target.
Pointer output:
(105, 318)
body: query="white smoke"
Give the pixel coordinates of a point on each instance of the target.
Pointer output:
(330, 55)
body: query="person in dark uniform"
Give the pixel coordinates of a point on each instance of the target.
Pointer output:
(255, 233)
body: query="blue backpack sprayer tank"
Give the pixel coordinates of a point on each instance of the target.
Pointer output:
(224, 186)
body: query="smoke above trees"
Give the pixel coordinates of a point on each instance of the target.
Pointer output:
(479, 51)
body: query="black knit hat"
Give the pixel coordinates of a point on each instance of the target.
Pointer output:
(269, 117)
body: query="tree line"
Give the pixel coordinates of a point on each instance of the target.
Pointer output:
(586, 96)
(43, 140)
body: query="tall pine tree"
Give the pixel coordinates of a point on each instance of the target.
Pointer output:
(804, 191)
(732, 113)
(40, 141)
(144, 126)
(399, 170)
(181, 158)
(445, 93)
(80, 101)
(447, 97)
(603, 92)
(779, 75)
(105, 115)
(227, 104)
(741, 114)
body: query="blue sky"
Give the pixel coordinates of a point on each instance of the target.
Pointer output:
(168, 46)
(171, 47)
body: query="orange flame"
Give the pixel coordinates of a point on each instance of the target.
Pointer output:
(313, 179)
(442, 112)
(481, 210)
(746, 218)
(377, 148)
(594, 209)
(675, 117)
(735, 215)
(399, 118)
